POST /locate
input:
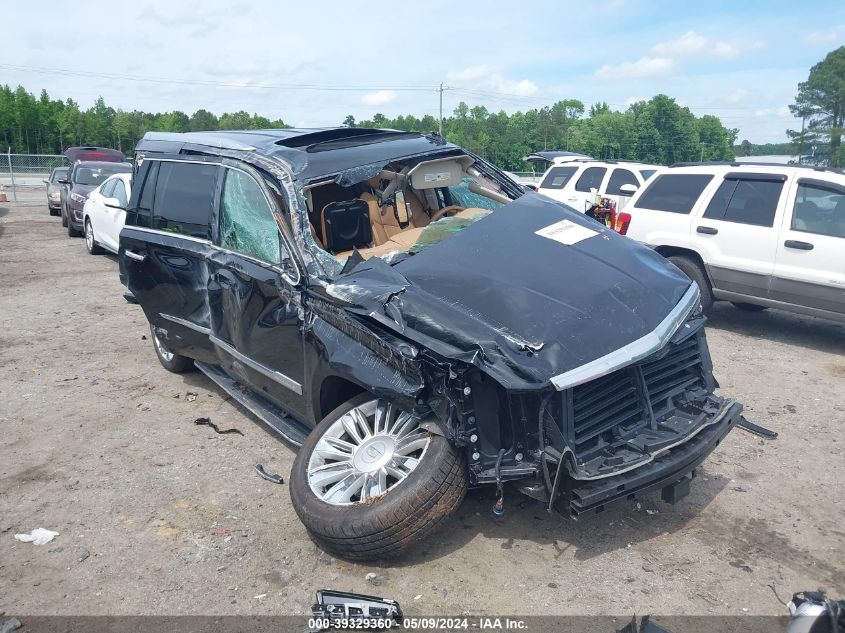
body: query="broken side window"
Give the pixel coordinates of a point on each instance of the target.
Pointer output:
(247, 224)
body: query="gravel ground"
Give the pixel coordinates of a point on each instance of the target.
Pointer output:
(159, 516)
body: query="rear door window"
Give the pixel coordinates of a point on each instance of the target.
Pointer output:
(675, 193)
(590, 179)
(247, 224)
(107, 189)
(142, 214)
(558, 177)
(819, 208)
(618, 178)
(746, 201)
(184, 198)
(120, 193)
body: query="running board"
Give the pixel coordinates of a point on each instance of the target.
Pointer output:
(269, 413)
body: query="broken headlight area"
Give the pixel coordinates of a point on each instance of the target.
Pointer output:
(644, 427)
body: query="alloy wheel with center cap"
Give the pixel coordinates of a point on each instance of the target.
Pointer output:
(372, 480)
(368, 451)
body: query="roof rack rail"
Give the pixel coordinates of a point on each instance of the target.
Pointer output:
(751, 163)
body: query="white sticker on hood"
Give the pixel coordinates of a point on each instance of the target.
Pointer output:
(566, 232)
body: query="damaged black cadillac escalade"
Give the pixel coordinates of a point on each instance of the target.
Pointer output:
(417, 324)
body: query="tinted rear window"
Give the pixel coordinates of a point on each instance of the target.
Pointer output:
(618, 178)
(558, 177)
(675, 193)
(590, 179)
(745, 201)
(184, 198)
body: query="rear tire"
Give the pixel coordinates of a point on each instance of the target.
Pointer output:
(91, 240)
(694, 271)
(396, 517)
(749, 307)
(170, 360)
(53, 211)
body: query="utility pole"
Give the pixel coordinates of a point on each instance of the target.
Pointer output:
(441, 109)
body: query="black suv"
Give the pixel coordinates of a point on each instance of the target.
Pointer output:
(411, 319)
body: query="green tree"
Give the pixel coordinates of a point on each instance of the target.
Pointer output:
(821, 102)
(203, 121)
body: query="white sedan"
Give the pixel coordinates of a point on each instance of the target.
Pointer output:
(105, 212)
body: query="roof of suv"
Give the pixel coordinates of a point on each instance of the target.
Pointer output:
(754, 166)
(311, 151)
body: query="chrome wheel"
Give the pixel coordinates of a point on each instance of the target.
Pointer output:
(165, 353)
(365, 453)
(89, 236)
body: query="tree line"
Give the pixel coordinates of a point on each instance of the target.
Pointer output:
(655, 131)
(30, 125)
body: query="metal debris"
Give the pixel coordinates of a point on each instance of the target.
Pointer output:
(276, 479)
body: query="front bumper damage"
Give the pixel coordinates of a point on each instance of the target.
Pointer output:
(669, 471)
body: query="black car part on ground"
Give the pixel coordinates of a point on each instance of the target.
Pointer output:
(344, 607)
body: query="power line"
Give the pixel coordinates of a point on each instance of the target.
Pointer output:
(213, 83)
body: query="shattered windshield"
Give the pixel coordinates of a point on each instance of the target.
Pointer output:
(395, 210)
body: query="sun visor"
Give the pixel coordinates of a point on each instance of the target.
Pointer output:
(446, 172)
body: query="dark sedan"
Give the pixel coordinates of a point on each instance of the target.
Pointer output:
(83, 178)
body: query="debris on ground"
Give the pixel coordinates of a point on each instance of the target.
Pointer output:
(756, 429)
(208, 422)
(373, 579)
(221, 532)
(340, 606)
(276, 479)
(39, 536)
(12, 624)
(84, 554)
(191, 396)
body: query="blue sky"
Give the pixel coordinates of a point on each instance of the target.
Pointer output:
(312, 63)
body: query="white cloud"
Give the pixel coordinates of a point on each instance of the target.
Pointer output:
(692, 43)
(781, 112)
(738, 96)
(823, 38)
(490, 78)
(643, 67)
(379, 97)
(632, 100)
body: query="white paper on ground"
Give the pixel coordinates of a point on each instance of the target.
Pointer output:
(566, 232)
(39, 536)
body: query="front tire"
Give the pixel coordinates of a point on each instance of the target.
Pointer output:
(369, 483)
(53, 211)
(694, 271)
(90, 240)
(64, 215)
(171, 361)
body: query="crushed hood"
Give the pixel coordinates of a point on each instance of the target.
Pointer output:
(520, 306)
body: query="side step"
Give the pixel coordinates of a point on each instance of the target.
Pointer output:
(263, 409)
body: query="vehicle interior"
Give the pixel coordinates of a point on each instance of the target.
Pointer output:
(404, 208)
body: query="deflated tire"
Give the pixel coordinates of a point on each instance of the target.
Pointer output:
(369, 483)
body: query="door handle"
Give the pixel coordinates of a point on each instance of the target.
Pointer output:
(133, 255)
(707, 230)
(801, 246)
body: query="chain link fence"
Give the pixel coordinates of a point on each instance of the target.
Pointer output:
(24, 174)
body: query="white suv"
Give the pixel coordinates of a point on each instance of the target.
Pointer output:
(576, 181)
(758, 235)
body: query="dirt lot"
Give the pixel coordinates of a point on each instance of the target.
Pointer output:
(99, 444)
